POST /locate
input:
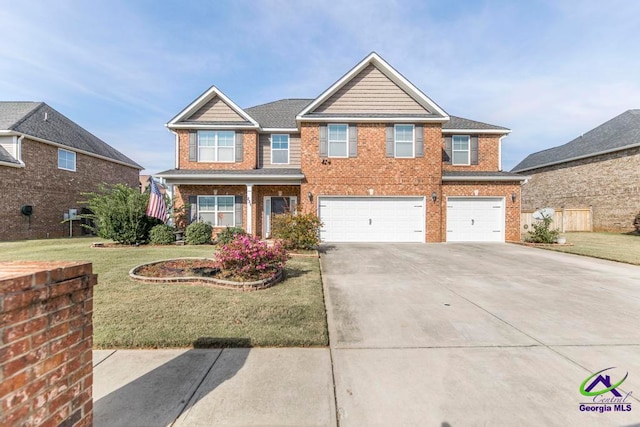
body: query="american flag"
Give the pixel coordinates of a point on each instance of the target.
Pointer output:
(156, 207)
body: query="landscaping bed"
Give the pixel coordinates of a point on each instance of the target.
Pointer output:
(130, 314)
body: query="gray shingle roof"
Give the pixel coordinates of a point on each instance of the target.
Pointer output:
(29, 118)
(6, 157)
(462, 123)
(621, 132)
(481, 175)
(278, 114)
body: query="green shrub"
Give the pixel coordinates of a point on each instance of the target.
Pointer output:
(228, 234)
(119, 214)
(296, 231)
(162, 234)
(542, 232)
(198, 233)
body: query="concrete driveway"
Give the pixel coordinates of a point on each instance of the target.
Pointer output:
(478, 334)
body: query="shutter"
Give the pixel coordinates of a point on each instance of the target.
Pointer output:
(238, 207)
(446, 156)
(390, 140)
(193, 146)
(353, 141)
(323, 141)
(474, 150)
(239, 146)
(419, 141)
(193, 209)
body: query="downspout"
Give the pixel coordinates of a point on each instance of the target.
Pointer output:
(500, 153)
(177, 150)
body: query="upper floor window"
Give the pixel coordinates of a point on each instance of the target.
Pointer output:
(460, 150)
(216, 146)
(403, 140)
(219, 211)
(280, 149)
(337, 138)
(66, 160)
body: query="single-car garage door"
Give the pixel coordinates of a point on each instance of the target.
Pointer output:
(474, 219)
(372, 219)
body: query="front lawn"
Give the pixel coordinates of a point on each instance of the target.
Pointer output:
(130, 314)
(611, 246)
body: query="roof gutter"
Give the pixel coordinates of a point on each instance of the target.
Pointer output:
(12, 165)
(485, 178)
(372, 119)
(196, 125)
(477, 131)
(571, 159)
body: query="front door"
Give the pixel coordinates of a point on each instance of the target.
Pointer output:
(274, 205)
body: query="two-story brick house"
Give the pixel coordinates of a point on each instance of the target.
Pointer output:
(373, 156)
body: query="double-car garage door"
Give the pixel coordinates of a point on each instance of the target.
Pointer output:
(402, 219)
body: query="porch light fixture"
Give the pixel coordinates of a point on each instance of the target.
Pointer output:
(434, 197)
(514, 196)
(310, 196)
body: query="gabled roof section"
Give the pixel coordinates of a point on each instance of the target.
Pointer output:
(372, 67)
(212, 108)
(620, 133)
(279, 114)
(6, 157)
(460, 124)
(39, 121)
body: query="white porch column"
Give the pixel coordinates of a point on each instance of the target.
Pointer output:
(249, 226)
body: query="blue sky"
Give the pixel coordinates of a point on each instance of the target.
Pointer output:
(548, 70)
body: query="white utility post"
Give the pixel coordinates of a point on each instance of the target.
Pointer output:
(249, 212)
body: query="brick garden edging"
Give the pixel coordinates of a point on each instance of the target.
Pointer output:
(207, 281)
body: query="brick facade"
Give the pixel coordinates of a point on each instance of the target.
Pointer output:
(51, 191)
(249, 157)
(46, 334)
(488, 156)
(609, 183)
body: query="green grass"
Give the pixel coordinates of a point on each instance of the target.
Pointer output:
(611, 246)
(130, 314)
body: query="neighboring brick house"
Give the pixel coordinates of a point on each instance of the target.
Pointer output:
(599, 169)
(46, 162)
(373, 156)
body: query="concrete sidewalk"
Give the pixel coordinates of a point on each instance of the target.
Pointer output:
(198, 387)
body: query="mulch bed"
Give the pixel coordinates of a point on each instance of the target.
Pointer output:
(190, 267)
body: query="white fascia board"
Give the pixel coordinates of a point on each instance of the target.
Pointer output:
(477, 131)
(248, 178)
(203, 99)
(235, 180)
(12, 165)
(387, 70)
(372, 119)
(586, 156)
(485, 178)
(285, 130)
(76, 150)
(195, 125)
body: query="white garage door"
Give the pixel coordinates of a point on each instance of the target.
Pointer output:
(475, 219)
(372, 219)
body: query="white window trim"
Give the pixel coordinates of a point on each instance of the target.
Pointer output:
(74, 160)
(413, 144)
(216, 147)
(233, 210)
(280, 149)
(468, 150)
(346, 141)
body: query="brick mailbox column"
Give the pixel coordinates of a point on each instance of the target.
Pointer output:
(46, 333)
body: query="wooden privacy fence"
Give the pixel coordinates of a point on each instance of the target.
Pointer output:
(563, 219)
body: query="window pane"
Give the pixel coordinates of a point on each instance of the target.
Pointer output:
(460, 157)
(208, 217)
(225, 154)
(338, 149)
(206, 203)
(460, 142)
(225, 203)
(404, 149)
(226, 139)
(404, 133)
(206, 154)
(225, 219)
(280, 156)
(280, 141)
(206, 138)
(337, 132)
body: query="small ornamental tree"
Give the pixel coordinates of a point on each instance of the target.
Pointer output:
(119, 214)
(250, 258)
(542, 231)
(296, 231)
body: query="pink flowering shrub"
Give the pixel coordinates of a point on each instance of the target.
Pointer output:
(250, 258)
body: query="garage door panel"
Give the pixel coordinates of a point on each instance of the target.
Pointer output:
(372, 219)
(475, 220)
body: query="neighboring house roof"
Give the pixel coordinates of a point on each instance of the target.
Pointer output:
(278, 114)
(6, 157)
(39, 120)
(482, 176)
(460, 123)
(617, 134)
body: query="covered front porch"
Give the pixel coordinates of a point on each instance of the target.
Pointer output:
(245, 199)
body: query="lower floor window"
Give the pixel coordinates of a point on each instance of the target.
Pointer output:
(217, 210)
